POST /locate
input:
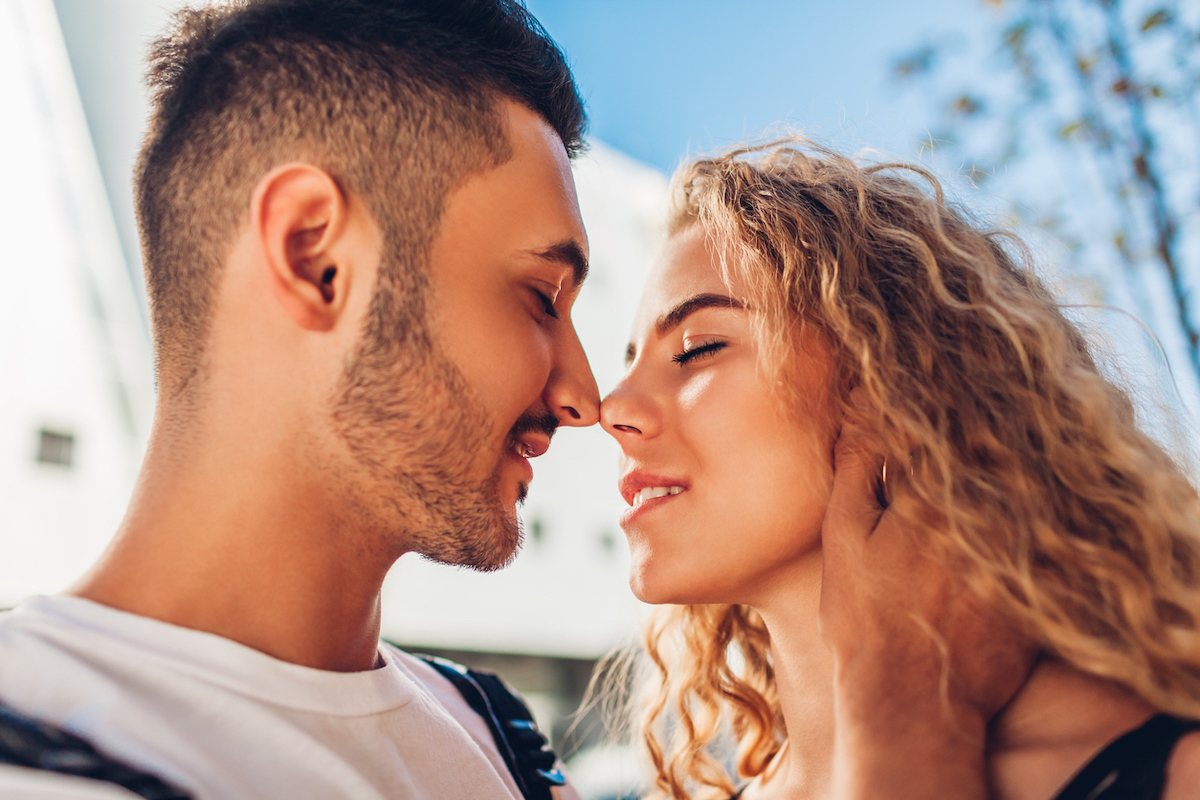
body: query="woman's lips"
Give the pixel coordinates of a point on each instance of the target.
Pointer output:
(644, 493)
(652, 492)
(646, 506)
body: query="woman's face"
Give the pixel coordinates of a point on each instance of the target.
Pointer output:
(727, 490)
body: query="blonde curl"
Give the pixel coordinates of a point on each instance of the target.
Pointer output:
(1054, 507)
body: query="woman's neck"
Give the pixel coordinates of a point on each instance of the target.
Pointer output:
(1057, 721)
(804, 677)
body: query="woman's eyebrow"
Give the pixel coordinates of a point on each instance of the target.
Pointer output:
(670, 320)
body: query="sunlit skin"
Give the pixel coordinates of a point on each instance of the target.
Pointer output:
(502, 294)
(692, 359)
(246, 521)
(748, 526)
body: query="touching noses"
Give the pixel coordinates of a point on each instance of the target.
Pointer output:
(571, 392)
(625, 416)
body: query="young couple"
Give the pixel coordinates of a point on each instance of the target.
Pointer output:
(909, 543)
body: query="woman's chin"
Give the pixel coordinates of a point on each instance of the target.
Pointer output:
(643, 593)
(649, 587)
(658, 589)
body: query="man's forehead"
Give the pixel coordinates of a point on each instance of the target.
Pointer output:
(523, 209)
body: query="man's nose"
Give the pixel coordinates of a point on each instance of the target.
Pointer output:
(571, 392)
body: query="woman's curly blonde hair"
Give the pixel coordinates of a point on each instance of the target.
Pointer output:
(1056, 509)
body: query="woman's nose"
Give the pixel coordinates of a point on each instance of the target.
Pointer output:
(627, 413)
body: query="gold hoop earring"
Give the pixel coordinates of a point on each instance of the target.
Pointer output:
(882, 494)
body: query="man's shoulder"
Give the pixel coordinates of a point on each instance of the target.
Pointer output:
(32, 784)
(505, 708)
(47, 640)
(31, 638)
(435, 684)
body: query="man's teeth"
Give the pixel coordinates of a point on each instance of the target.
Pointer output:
(651, 492)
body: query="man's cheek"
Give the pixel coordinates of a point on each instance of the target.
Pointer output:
(529, 383)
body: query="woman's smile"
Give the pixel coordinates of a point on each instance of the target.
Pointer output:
(726, 489)
(645, 492)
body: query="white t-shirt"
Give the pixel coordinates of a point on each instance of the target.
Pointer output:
(226, 722)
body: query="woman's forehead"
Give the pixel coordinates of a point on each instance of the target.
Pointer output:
(686, 267)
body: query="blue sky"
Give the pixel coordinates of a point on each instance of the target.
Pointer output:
(663, 78)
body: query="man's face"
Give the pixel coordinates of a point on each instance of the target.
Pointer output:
(447, 434)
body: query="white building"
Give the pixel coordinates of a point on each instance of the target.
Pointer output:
(75, 369)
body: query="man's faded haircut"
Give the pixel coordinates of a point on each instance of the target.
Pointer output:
(396, 99)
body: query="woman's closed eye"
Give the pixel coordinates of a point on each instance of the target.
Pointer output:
(706, 349)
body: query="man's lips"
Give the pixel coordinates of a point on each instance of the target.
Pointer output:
(530, 438)
(531, 445)
(530, 435)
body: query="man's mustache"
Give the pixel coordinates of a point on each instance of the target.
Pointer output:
(541, 421)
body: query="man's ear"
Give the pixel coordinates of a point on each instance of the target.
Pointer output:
(300, 218)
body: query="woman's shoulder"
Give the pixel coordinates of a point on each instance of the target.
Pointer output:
(1160, 760)
(1183, 773)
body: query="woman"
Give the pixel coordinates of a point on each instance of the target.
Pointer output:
(803, 298)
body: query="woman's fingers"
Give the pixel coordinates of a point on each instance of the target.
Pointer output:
(854, 508)
(850, 518)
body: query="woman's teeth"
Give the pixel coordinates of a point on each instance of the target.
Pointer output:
(651, 492)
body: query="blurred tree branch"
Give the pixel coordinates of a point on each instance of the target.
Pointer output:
(1088, 114)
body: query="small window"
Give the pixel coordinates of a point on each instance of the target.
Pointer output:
(56, 447)
(608, 542)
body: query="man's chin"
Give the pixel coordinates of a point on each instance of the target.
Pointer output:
(482, 551)
(503, 553)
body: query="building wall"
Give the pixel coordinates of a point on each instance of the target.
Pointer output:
(75, 384)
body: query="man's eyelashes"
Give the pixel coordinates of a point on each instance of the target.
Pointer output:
(548, 303)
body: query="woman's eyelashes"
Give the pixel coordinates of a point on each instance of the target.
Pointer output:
(705, 349)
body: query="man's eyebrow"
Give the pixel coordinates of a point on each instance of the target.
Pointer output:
(568, 252)
(670, 320)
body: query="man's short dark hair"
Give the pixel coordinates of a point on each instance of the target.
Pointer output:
(396, 99)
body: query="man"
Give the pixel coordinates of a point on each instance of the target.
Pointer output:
(362, 245)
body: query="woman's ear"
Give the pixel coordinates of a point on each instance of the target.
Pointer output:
(300, 218)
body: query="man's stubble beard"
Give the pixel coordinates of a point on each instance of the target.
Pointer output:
(415, 429)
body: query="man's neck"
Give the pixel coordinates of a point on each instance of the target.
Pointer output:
(246, 542)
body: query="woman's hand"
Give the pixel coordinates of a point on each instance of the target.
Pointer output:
(921, 667)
